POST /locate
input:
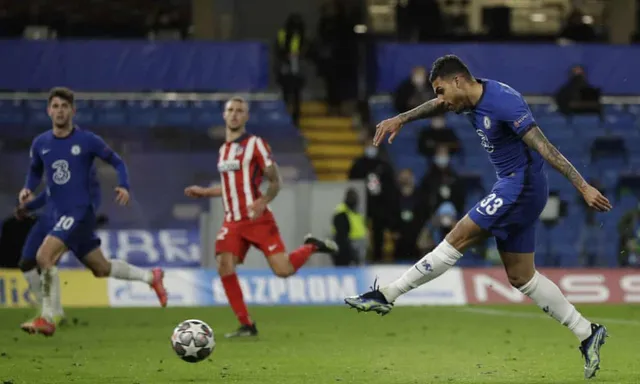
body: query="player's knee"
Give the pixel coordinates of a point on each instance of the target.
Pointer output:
(283, 271)
(226, 264)
(101, 270)
(44, 259)
(27, 265)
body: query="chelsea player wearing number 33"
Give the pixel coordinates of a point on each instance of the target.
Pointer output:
(517, 149)
(65, 155)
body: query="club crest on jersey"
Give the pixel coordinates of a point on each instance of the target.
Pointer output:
(487, 122)
(75, 150)
(239, 151)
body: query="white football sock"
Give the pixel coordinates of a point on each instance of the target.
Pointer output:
(55, 293)
(550, 299)
(48, 292)
(35, 286)
(125, 271)
(434, 264)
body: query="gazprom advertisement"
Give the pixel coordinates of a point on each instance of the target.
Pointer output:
(310, 286)
(170, 248)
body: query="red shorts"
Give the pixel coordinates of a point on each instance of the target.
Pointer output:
(236, 237)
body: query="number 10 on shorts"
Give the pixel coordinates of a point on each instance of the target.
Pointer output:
(64, 223)
(491, 204)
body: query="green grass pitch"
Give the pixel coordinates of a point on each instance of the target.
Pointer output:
(306, 345)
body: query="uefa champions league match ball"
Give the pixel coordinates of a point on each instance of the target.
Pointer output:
(193, 340)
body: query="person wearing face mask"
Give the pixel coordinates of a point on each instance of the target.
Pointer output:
(414, 91)
(379, 178)
(443, 221)
(577, 95)
(437, 135)
(349, 231)
(442, 183)
(411, 215)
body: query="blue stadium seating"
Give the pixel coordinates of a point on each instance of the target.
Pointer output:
(574, 137)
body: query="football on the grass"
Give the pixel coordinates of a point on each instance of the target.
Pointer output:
(193, 340)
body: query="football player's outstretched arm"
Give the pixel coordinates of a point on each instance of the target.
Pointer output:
(539, 142)
(197, 191)
(431, 108)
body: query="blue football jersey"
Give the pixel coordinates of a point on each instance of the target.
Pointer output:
(67, 164)
(501, 118)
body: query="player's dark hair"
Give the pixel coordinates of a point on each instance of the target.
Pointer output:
(63, 93)
(447, 66)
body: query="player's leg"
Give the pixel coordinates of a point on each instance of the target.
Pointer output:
(49, 252)
(119, 269)
(231, 249)
(29, 267)
(285, 265)
(517, 256)
(432, 265)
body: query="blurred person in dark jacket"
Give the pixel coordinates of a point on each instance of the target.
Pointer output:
(576, 30)
(442, 183)
(336, 52)
(629, 238)
(379, 179)
(413, 91)
(438, 135)
(13, 235)
(411, 215)
(577, 95)
(349, 231)
(289, 46)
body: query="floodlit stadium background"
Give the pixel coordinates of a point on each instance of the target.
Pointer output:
(152, 78)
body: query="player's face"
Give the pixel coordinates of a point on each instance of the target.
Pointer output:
(236, 114)
(451, 92)
(61, 112)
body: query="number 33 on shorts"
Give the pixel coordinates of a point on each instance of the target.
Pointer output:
(490, 205)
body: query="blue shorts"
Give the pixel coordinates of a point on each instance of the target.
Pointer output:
(36, 236)
(76, 230)
(511, 211)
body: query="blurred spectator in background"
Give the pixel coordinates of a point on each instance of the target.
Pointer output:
(379, 179)
(12, 238)
(411, 215)
(349, 231)
(576, 30)
(442, 183)
(577, 95)
(413, 91)
(438, 135)
(444, 219)
(418, 20)
(289, 47)
(591, 242)
(629, 232)
(336, 53)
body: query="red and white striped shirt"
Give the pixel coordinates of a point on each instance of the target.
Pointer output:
(241, 164)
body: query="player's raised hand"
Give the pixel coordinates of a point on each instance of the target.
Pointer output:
(596, 200)
(386, 127)
(257, 208)
(122, 196)
(25, 196)
(195, 191)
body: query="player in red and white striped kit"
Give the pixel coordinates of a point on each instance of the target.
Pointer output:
(243, 161)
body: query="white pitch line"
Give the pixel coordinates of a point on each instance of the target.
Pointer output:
(498, 312)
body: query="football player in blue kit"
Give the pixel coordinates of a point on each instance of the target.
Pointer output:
(44, 223)
(65, 155)
(517, 148)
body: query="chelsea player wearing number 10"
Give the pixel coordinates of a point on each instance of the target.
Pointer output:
(65, 155)
(517, 149)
